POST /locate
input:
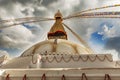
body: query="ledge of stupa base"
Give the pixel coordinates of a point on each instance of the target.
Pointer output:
(62, 61)
(117, 64)
(57, 73)
(77, 61)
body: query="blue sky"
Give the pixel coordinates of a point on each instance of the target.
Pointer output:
(98, 37)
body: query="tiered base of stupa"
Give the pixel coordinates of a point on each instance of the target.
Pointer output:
(62, 67)
(62, 74)
(61, 61)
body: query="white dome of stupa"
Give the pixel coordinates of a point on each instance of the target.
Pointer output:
(58, 46)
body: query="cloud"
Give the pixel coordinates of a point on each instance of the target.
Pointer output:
(110, 30)
(2, 52)
(113, 52)
(15, 37)
(113, 43)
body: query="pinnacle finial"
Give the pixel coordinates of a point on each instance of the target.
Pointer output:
(59, 11)
(58, 14)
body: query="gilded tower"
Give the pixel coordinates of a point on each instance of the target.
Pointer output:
(57, 31)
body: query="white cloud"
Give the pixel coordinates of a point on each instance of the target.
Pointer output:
(2, 52)
(65, 6)
(111, 2)
(16, 37)
(110, 32)
(113, 52)
(12, 12)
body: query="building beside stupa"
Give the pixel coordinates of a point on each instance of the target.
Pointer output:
(59, 58)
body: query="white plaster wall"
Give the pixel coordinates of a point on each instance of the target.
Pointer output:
(78, 64)
(26, 62)
(19, 62)
(117, 64)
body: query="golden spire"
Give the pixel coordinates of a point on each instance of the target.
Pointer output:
(57, 31)
(58, 14)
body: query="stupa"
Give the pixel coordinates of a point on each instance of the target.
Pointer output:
(59, 58)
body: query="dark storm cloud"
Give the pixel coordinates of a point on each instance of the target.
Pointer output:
(6, 2)
(113, 44)
(48, 2)
(10, 3)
